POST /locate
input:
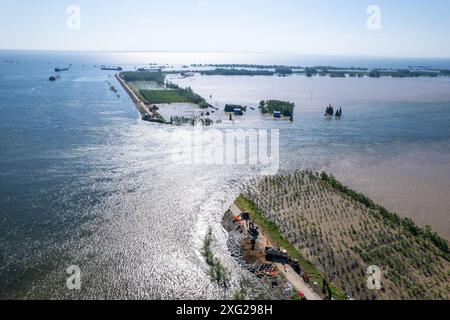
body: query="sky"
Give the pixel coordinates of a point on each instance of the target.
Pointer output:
(407, 28)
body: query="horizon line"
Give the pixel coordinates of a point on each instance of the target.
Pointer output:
(228, 52)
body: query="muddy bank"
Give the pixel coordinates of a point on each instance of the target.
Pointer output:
(276, 287)
(281, 278)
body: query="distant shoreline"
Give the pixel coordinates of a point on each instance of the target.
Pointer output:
(329, 71)
(268, 58)
(357, 56)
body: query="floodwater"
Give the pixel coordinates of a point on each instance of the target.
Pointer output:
(392, 143)
(84, 182)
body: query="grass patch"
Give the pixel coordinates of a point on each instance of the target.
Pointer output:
(157, 77)
(189, 94)
(274, 233)
(174, 94)
(163, 96)
(236, 72)
(217, 270)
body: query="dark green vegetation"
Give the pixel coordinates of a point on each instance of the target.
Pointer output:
(311, 72)
(283, 70)
(177, 95)
(157, 77)
(156, 118)
(169, 93)
(193, 121)
(236, 72)
(342, 233)
(190, 95)
(373, 73)
(250, 66)
(173, 94)
(217, 270)
(330, 112)
(330, 71)
(286, 108)
(323, 71)
(163, 96)
(404, 73)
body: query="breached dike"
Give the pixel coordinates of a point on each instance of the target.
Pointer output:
(147, 114)
(256, 251)
(147, 100)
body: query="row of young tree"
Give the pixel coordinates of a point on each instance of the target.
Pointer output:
(189, 94)
(157, 77)
(392, 217)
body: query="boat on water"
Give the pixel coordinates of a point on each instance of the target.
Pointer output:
(61, 69)
(54, 78)
(105, 68)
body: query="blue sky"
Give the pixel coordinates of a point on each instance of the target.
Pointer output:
(409, 28)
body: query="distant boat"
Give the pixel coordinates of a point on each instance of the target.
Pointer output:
(54, 78)
(61, 69)
(105, 68)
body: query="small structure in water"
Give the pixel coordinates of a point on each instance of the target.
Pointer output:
(329, 112)
(277, 114)
(113, 89)
(105, 68)
(54, 78)
(233, 108)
